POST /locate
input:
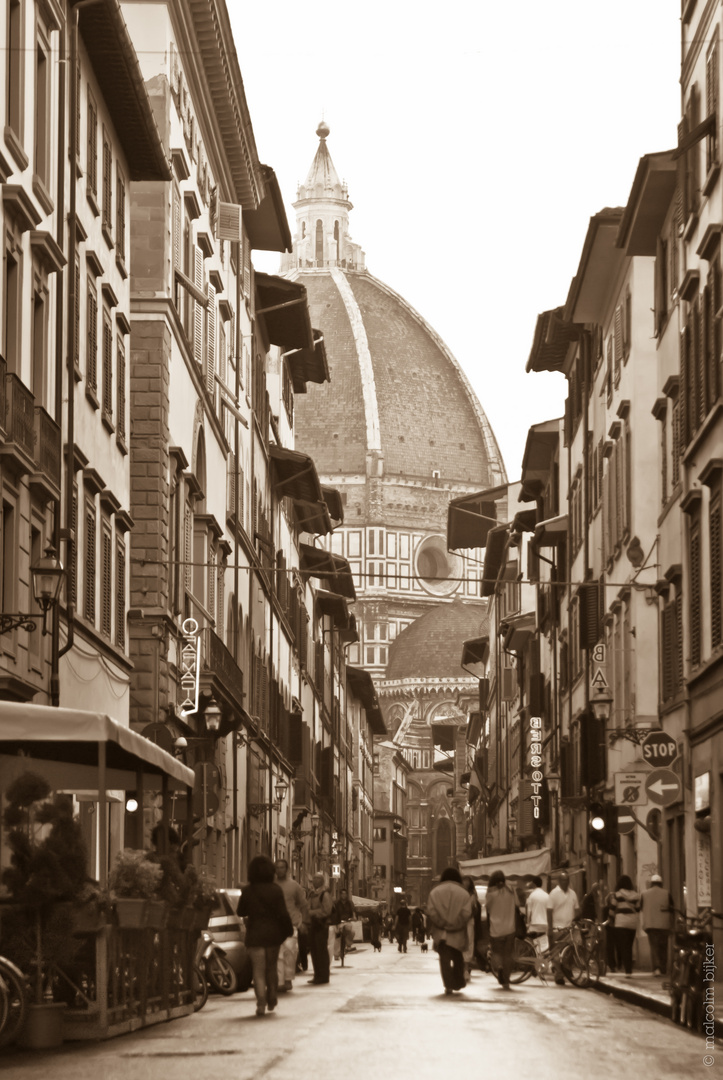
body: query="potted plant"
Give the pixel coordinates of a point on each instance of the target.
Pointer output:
(48, 861)
(134, 881)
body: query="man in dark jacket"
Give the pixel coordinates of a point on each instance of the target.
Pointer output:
(319, 916)
(402, 923)
(268, 923)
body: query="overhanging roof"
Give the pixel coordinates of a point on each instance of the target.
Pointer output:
(650, 198)
(600, 264)
(542, 442)
(518, 630)
(334, 505)
(325, 565)
(267, 226)
(551, 341)
(284, 308)
(475, 651)
(115, 65)
(471, 517)
(524, 521)
(363, 686)
(329, 603)
(494, 553)
(313, 517)
(74, 736)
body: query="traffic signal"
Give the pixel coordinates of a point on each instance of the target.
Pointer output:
(602, 826)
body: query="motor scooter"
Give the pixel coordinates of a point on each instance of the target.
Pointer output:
(692, 950)
(211, 960)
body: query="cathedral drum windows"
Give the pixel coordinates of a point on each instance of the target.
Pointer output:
(438, 571)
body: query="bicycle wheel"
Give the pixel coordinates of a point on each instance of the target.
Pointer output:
(575, 966)
(524, 961)
(13, 991)
(200, 988)
(220, 975)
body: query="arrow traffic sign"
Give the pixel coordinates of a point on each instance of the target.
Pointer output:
(659, 749)
(663, 787)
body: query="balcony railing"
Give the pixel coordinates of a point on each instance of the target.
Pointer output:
(47, 454)
(19, 424)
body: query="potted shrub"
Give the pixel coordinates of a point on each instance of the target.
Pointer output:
(134, 881)
(48, 861)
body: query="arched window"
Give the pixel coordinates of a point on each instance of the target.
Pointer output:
(336, 240)
(319, 256)
(303, 229)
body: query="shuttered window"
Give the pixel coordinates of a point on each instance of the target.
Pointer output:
(91, 360)
(92, 164)
(695, 591)
(676, 443)
(618, 341)
(90, 562)
(120, 594)
(716, 569)
(107, 365)
(76, 347)
(73, 550)
(211, 342)
(120, 215)
(712, 94)
(106, 579)
(107, 184)
(121, 389)
(198, 312)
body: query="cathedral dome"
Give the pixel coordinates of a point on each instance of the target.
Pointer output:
(431, 647)
(398, 404)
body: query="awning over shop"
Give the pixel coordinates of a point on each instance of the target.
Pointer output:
(494, 554)
(332, 568)
(476, 651)
(445, 736)
(552, 532)
(552, 338)
(522, 864)
(308, 364)
(519, 630)
(524, 521)
(267, 226)
(363, 686)
(334, 505)
(471, 517)
(365, 903)
(284, 309)
(474, 728)
(313, 517)
(542, 442)
(294, 474)
(329, 603)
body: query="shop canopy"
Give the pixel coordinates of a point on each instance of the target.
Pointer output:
(520, 864)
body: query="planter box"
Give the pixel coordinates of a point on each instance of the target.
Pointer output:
(130, 913)
(43, 1027)
(157, 914)
(181, 918)
(201, 917)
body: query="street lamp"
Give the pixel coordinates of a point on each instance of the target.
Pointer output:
(601, 701)
(212, 716)
(47, 577)
(281, 787)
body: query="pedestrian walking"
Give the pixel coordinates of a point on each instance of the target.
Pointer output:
(375, 929)
(536, 909)
(319, 916)
(474, 930)
(268, 924)
(624, 908)
(449, 912)
(389, 926)
(402, 924)
(562, 907)
(418, 932)
(298, 908)
(502, 919)
(343, 913)
(657, 907)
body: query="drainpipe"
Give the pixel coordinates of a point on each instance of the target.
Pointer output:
(59, 313)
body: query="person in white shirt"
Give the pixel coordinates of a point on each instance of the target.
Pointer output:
(562, 907)
(536, 909)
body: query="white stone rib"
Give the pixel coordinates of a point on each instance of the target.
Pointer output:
(366, 368)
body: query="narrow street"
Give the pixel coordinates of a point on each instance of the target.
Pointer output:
(385, 1016)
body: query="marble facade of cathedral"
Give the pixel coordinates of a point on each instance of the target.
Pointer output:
(409, 436)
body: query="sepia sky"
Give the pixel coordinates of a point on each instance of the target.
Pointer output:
(477, 138)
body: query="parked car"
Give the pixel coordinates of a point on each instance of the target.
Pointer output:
(228, 929)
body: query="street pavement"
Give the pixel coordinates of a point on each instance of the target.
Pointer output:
(385, 1017)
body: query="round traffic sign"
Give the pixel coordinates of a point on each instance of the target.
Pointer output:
(626, 822)
(659, 749)
(663, 787)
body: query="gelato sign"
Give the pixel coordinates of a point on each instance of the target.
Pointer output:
(190, 667)
(536, 777)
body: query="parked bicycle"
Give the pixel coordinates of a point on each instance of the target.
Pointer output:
(693, 940)
(568, 954)
(13, 1001)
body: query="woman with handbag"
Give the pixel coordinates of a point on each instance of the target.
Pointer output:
(268, 924)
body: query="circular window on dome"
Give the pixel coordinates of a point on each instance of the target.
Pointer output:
(437, 569)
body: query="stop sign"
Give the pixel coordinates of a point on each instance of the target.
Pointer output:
(659, 749)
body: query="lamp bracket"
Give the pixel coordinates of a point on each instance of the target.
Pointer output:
(12, 622)
(632, 734)
(257, 809)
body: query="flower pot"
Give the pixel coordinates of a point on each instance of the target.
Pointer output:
(181, 918)
(43, 1027)
(130, 913)
(156, 914)
(201, 917)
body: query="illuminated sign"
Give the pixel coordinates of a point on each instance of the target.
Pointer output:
(536, 763)
(190, 666)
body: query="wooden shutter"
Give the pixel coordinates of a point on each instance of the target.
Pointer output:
(231, 487)
(716, 570)
(90, 559)
(177, 230)
(618, 336)
(120, 595)
(667, 651)
(107, 184)
(73, 550)
(211, 342)
(684, 393)
(121, 395)
(187, 547)
(198, 313)
(711, 104)
(107, 365)
(590, 622)
(91, 360)
(92, 178)
(76, 349)
(699, 313)
(106, 580)
(694, 602)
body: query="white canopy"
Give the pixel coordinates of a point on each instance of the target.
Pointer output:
(521, 863)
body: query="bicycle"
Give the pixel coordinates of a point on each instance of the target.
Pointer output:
(693, 938)
(13, 1001)
(568, 954)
